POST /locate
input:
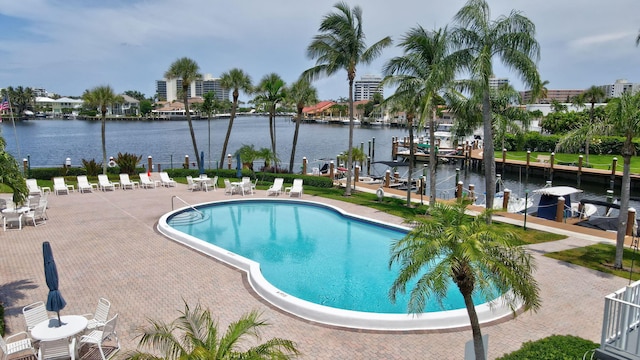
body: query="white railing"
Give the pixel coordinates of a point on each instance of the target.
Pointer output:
(621, 323)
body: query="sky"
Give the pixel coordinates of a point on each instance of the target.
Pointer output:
(68, 46)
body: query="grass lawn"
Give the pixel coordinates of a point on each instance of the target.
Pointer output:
(595, 161)
(600, 257)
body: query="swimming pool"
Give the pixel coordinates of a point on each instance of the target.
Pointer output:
(339, 261)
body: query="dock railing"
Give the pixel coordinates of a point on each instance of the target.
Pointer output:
(621, 324)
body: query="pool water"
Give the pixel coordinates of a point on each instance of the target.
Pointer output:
(312, 252)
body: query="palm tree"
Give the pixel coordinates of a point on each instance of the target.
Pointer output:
(624, 116)
(424, 70)
(11, 175)
(450, 245)
(271, 91)
(195, 335)
(102, 97)
(507, 118)
(237, 80)
(208, 106)
(340, 46)
(510, 38)
(188, 71)
(302, 93)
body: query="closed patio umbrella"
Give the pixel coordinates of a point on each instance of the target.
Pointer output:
(55, 301)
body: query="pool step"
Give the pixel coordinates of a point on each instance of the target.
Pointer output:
(188, 218)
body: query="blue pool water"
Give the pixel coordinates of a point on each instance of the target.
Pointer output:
(311, 252)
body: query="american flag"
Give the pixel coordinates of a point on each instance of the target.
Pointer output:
(4, 105)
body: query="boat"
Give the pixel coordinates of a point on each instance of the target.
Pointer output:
(548, 203)
(516, 204)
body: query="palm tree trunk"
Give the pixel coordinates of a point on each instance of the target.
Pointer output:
(433, 161)
(226, 138)
(295, 140)
(478, 345)
(104, 142)
(193, 135)
(488, 156)
(272, 131)
(350, 152)
(624, 210)
(411, 157)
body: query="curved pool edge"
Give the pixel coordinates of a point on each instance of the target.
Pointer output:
(440, 320)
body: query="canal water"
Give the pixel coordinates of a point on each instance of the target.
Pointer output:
(48, 142)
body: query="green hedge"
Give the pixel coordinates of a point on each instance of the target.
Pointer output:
(554, 347)
(537, 142)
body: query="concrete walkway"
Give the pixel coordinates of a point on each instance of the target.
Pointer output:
(106, 245)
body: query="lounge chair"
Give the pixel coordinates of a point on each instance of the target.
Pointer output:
(146, 182)
(165, 180)
(84, 185)
(100, 316)
(34, 189)
(126, 183)
(57, 349)
(296, 188)
(99, 337)
(34, 314)
(10, 346)
(105, 184)
(59, 186)
(276, 188)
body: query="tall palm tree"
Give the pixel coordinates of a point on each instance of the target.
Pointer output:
(235, 80)
(102, 97)
(511, 39)
(592, 95)
(508, 117)
(425, 69)
(195, 335)
(208, 106)
(340, 46)
(188, 71)
(270, 92)
(302, 93)
(477, 256)
(624, 116)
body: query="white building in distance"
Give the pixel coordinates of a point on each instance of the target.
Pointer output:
(168, 89)
(618, 88)
(366, 87)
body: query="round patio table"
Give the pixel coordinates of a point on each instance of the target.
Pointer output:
(49, 329)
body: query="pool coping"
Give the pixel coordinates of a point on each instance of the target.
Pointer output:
(441, 320)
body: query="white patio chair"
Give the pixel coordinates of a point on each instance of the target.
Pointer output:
(126, 183)
(10, 346)
(165, 180)
(57, 349)
(59, 186)
(34, 314)
(100, 337)
(228, 188)
(247, 186)
(100, 316)
(37, 215)
(191, 185)
(34, 189)
(85, 185)
(276, 188)
(146, 182)
(212, 183)
(105, 184)
(296, 188)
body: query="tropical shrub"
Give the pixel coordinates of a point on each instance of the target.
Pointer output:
(555, 347)
(128, 162)
(91, 167)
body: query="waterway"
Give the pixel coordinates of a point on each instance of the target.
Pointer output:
(48, 142)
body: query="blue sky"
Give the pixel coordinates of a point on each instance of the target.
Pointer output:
(67, 46)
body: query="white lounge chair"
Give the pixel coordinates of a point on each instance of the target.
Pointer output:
(276, 188)
(59, 186)
(146, 182)
(126, 183)
(100, 337)
(84, 185)
(10, 346)
(34, 189)
(165, 180)
(57, 349)
(105, 184)
(100, 316)
(34, 314)
(296, 188)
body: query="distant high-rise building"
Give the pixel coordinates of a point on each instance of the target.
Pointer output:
(168, 89)
(620, 87)
(563, 96)
(366, 87)
(494, 82)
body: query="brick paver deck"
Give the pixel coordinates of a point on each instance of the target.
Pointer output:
(105, 245)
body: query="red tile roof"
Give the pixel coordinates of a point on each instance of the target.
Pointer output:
(319, 107)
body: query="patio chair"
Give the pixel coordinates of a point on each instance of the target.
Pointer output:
(57, 349)
(37, 215)
(34, 314)
(191, 185)
(146, 182)
(276, 188)
(105, 184)
(100, 337)
(229, 189)
(10, 346)
(126, 183)
(296, 188)
(59, 186)
(85, 185)
(212, 183)
(34, 189)
(165, 180)
(100, 316)
(247, 186)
